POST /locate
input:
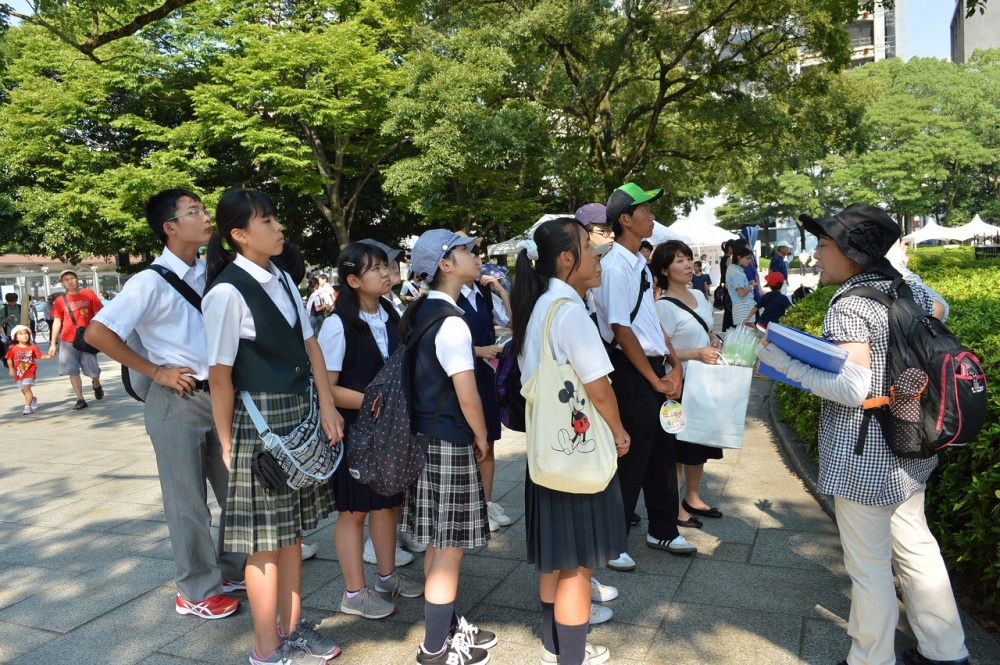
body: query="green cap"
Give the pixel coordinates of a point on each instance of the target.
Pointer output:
(626, 196)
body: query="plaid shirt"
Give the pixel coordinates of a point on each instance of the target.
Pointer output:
(876, 478)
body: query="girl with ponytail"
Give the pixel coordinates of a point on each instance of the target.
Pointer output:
(260, 341)
(568, 535)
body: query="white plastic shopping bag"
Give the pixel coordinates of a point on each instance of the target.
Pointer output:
(715, 404)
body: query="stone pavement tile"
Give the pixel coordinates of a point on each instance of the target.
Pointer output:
(507, 543)
(764, 588)
(518, 590)
(76, 601)
(625, 643)
(732, 527)
(480, 566)
(824, 641)
(226, 640)
(148, 528)
(149, 494)
(119, 490)
(20, 582)
(471, 591)
(53, 481)
(95, 515)
(763, 488)
(68, 551)
(513, 472)
(19, 640)
(642, 600)
(799, 513)
(164, 659)
(82, 455)
(798, 549)
(705, 635)
(126, 634)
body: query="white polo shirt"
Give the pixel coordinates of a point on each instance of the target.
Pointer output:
(172, 331)
(616, 296)
(228, 318)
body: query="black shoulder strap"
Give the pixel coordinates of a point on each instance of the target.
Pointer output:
(643, 287)
(69, 308)
(179, 284)
(487, 295)
(689, 311)
(898, 286)
(434, 317)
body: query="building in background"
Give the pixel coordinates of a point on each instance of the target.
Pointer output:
(979, 31)
(879, 34)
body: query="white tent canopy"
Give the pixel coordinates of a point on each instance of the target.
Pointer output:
(662, 234)
(977, 227)
(701, 233)
(513, 246)
(932, 231)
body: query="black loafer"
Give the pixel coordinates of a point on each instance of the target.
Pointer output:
(913, 657)
(635, 519)
(714, 513)
(692, 522)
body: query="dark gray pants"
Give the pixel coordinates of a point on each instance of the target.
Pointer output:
(188, 453)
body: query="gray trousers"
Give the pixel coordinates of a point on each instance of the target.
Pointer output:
(188, 453)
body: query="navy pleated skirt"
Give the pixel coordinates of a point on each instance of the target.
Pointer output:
(570, 531)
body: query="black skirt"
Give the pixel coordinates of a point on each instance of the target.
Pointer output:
(691, 454)
(570, 531)
(354, 497)
(486, 383)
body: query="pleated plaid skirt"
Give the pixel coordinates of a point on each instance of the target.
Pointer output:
(447, 507)
(258, 521)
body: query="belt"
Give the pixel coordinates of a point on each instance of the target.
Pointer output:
(658, 361)
(200, 384)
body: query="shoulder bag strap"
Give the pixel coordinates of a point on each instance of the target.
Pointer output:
(643, 287)
(690, 311)
(69, 309)
(179, 284)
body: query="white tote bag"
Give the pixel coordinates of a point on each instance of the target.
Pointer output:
(715, 404)
(570, 446)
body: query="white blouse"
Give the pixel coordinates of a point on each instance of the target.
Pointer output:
(684, 332)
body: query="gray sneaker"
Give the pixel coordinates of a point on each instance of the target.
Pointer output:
(399, 585)
(366, 604)
(287, 654)
(308, 639)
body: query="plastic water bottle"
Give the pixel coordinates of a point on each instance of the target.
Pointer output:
(672, 417)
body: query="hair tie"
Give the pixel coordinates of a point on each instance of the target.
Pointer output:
(531, 248)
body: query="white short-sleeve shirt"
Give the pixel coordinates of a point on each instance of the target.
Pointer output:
(334, 345)
(499, 311)
(453, 340)
(573, 338)
(171, 330)
(228, 318)
(684, 332)
(616, 297)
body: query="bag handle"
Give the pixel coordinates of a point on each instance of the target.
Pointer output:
(179, 284)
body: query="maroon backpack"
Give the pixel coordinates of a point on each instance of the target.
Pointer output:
(382, 450)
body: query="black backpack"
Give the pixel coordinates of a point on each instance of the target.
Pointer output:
(937, 394)
(382, 450)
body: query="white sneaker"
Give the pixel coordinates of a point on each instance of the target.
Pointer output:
(402, 558)
(406, 540)
(309, 551)
(623, 563)
(600, 614)
(494, 525)
(497, 514)
(594, 655)
(676, 546)
(601, 593)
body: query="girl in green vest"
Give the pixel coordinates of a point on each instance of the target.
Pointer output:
(260, 340)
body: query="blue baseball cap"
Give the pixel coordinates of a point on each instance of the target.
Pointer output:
(431, 247)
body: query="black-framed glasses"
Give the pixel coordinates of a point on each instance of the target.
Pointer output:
(191, 213)
(603, 231)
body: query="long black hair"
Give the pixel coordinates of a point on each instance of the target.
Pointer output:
(553, 238)
(357, 259)
(235, 210)
(663, 256)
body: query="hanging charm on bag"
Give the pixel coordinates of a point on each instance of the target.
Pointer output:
(672, 417)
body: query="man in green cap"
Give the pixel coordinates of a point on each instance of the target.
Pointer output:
(646, 371)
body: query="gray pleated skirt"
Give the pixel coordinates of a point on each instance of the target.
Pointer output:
(570, 531)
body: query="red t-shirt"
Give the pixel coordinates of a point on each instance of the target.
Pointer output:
(23, 359)
(85, 305)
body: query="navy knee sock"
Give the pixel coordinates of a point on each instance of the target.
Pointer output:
(572, 643)
(549, 628)
(437, 624)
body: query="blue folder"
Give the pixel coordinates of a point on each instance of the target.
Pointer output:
(809, 349)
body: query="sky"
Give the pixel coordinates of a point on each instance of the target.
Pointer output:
(928, 28)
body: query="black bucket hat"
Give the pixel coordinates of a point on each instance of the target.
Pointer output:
(864, 234)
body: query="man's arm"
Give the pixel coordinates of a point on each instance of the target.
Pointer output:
(103, 338)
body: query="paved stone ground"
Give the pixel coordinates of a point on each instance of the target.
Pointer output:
(86, 569)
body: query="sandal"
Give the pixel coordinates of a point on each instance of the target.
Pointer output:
(98, 391)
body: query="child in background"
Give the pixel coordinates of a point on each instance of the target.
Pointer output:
(772, 305)
(701, 281)
(21, 363)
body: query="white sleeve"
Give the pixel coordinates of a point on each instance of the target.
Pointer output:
(225, 323)
(333, 343)
(576, 335)
(499, 312)
(129, 307)
(667, 313)
(453, 343)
